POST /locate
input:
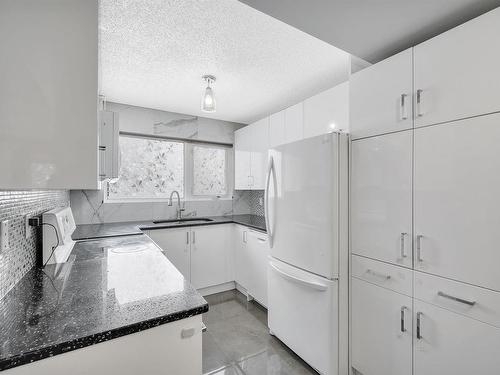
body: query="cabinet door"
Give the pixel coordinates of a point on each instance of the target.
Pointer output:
(48, 91)
(210, 262)
(381, 97)
(242, 151)
(381, 330)
(294, 123)
(381, 197)
(258, 251)
(451, 343)
(241, 256)
(458, 73)
(277, 129)
(328, 111)
(456, 200)
(175, 245)
(260, 145)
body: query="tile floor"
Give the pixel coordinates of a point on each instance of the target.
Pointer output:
(237, 341)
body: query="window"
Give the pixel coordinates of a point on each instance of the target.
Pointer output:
(209, 171)
(151, 168)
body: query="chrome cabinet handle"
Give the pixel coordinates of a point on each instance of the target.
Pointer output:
(271, 173)
(402, 245)
(419, 102)
(245, 237)
(187, 238)
(419, 325)
(378, 274)
(193, 234)
(404, 112)
(419, 248)
(456, 299)
(403, 309)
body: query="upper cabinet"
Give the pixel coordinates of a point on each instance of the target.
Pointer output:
(251, 144)
(49, 86)
(328, 111)
(381, 97)
(277, 129)
(457, 73)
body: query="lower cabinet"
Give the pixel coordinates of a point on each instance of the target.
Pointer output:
(175, 244)
(201, 254)
(250, 258)
(450, 343)
(381, 330)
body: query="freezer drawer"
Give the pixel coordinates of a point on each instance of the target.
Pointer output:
(303, 313)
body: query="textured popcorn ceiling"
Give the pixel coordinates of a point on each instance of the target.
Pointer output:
(154, 52)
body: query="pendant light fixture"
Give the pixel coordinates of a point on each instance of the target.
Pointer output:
(208, 99)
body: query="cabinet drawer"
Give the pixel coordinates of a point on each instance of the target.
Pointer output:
(472, 301)
(395, 278)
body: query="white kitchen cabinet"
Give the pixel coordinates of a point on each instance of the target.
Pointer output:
(456, 200)
(327, 111)
(381, 97)
(381, 330)
(250, 260)
(166, 349)
(242, 159)
(251, 144)
(277, 129)
(260, 145)
(451, 343)
(242, 258)
(109, 147)
(175, 244)
(457, 72)
(381, 197)
(210, 261)
(49, 87)
(258, 253)
(294, 123)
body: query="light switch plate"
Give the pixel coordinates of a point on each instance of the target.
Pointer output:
(4, 235)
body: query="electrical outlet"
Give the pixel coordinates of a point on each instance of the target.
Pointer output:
(28, 232)
(4, 235)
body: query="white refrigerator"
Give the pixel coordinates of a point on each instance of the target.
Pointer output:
(306, 204)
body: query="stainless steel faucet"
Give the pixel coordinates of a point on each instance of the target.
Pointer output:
(179, 207)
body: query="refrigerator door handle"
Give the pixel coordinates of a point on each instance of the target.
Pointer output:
(318, 286)
(270, 172)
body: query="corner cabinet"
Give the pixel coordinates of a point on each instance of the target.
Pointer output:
(49, 88)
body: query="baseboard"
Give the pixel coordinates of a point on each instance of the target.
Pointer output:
(217, 288)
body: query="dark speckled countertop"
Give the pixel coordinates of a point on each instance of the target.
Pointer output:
(89, 231)
(109, 288)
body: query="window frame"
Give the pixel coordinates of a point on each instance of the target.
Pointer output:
(188, 177)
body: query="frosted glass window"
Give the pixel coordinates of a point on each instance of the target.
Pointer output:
(149, 168)
(209, 171)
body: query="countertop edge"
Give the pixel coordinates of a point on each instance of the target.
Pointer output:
(82, 342)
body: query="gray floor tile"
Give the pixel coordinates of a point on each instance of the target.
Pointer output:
(228, 370)
(239, 329)
(213, 357)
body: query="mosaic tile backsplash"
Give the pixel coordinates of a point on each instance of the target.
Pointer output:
(21, 255)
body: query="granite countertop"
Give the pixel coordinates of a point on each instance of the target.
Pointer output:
(109, 288)
(89, 231)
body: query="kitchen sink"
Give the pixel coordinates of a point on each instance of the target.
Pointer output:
(194, 220)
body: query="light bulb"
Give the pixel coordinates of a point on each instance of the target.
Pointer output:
(208, 100)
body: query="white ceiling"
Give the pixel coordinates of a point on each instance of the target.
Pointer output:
(374, 29)
(154, 52)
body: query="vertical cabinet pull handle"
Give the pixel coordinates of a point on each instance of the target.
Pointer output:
(419, 102)
(187, 238)
(403, 328)
(193, 233)
(419, 325)
(404, 112)
(402, 245)
(419, 248)
(244, 237)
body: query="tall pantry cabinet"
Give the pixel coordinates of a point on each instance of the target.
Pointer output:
(425, 162)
